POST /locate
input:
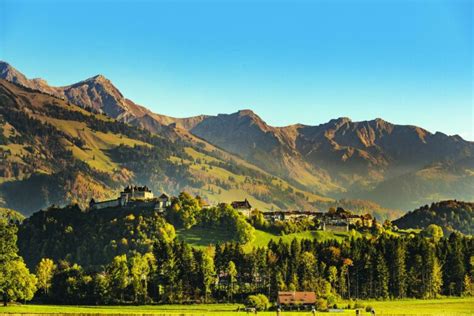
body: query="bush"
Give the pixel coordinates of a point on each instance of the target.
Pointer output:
(350, 304)
(369, 309)
(322, 305)
(260, 302)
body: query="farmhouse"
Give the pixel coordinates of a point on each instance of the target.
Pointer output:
(243, 207)
(296, 298)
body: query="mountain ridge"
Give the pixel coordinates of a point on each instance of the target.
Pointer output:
(340, 158)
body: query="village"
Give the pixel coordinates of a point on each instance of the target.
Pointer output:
(336, 219)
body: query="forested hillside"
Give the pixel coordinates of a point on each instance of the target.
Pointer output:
(131, 255)
(450, 215)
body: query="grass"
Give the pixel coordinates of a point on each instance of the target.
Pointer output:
(446, 306)
(201, 238)
(96, 143)
(262, 238)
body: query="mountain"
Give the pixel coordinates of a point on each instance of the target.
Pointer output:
(99, 95)
(56, 152)
(343, 158)
(398, 166)
(451, 215)
(273, 149)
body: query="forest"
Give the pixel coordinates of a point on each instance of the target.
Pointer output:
(132, 256)
(451, 215)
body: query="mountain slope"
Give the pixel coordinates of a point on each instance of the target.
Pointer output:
(57, 152)
(399, 166)
(98, 94)
(350, 159)
(247, 135)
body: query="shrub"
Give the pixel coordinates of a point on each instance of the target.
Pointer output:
(260, 302)
(322, 305)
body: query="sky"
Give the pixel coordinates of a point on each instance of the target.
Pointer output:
(408, 62)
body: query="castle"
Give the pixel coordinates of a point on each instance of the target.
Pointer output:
(134, 196)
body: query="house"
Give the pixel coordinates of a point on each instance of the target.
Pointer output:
(296, 298)
(243, 207)
(163, 202)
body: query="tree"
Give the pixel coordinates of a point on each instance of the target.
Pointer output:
(119, 275)
(232, 274)
(467, 286)
(140, 268)
(70, 285)
(260, 302)
(398, 271)
(454, 267)
(433, 231)
(306, 271)
(44, 273)
(381, 277)
(436, 280)
(206, 273)
(19, 283)
(332, 277)
(16, 281)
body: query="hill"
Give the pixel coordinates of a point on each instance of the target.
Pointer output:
(92, 238)
(450, 215)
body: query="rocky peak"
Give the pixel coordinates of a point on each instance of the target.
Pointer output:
(9, 73)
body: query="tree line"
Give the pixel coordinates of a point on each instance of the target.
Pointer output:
(132, 256)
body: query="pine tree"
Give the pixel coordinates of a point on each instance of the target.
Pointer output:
(436, 281)
(381, 277)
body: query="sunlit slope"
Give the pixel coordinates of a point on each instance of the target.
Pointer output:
(60, 153)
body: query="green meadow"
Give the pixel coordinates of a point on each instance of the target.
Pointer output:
(446, 306)
(203, 237)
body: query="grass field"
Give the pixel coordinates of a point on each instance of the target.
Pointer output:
(203, 237)
(448, 306)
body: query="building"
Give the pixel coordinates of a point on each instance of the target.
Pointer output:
(93, 205)
(137, 193)
(293, 299)
(290, 215)
(243, 207)
(338, 220)
(134, 196)
(163, 202)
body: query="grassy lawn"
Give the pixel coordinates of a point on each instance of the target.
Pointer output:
(448, 306)
(199, 237)
(203, 237)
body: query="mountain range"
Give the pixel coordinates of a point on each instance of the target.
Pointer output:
(397, 166)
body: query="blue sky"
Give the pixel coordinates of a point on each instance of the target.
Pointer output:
(409, 62)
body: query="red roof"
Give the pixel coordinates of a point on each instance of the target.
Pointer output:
(296, 298)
